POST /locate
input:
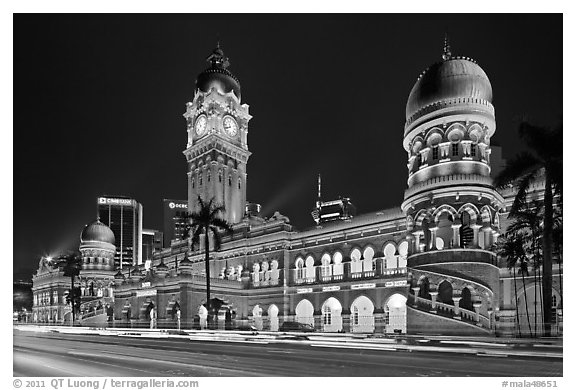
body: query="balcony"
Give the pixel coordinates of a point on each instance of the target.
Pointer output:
(375, 269)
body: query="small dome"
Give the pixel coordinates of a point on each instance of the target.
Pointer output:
(217, 76)
(97, 231)
(453, 78)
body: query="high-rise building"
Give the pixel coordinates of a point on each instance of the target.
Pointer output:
(124, 216)
(152, 241)
(174, 212)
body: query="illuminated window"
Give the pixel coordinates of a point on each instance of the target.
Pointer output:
(327, 317)
(435, 153)
(355, 316)
(454, 149)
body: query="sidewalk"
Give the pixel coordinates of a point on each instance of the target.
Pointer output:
(481, 346)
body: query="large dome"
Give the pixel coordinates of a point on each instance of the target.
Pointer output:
(97, 231)
(454, 80)
(217, 76)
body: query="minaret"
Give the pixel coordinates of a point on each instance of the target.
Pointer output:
(217, 148)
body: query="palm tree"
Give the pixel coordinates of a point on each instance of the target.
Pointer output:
(202, 222)
(512, 248)
(528, 222)
(71, 264)
(523, 170)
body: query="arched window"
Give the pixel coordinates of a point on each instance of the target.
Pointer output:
(219, 175)
(355, 264)
(200, 179)
(300, 268)
(193, 182)
(239, 183)
(455, 149)
(209, 176)
(229, 180)
(435, 152)
(327, 316)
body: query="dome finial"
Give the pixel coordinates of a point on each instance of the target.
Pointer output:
(446, 55)
(217, 59)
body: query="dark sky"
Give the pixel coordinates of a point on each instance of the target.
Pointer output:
(98, 104)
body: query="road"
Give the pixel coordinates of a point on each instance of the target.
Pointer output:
(60, 355)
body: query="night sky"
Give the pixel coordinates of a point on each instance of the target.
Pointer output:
(98, 104)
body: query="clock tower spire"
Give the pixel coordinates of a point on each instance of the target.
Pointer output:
(217, 148)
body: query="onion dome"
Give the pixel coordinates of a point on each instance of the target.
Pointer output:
(453, 80)
(217, 76)
(97, 231)
(162, 269)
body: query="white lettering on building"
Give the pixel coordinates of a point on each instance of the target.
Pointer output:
(331, 288)
(146, 293)
(303, 290)
(362, 286)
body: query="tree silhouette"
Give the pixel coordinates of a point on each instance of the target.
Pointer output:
(544, 159)
(203, 222)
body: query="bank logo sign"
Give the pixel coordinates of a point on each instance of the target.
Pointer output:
(115, 201)
(174, 205)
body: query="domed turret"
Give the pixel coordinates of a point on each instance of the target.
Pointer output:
(217, 76)
(447, 81)
(97, 231)
(450, 86)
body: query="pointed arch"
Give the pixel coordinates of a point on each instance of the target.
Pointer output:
(445, 208)
(362, 315)
(471, 210)
(305, 312)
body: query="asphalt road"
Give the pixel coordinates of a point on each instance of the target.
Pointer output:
(60, 355)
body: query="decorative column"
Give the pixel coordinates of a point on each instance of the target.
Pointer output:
(345, 321)
(433, 230)
(417, 234)
(477, 305)
(434, 295)
(456, 233)
(457, 315)
(416, 291)
(475, 228)
(487, 231)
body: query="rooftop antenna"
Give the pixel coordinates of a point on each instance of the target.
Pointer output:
(446, 55)
(319, 188)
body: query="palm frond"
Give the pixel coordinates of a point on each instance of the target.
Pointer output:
(516, 168)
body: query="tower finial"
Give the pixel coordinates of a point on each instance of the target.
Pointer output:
(446, 55)
(319, 187)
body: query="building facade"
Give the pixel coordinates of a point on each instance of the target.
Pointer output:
(173, 221)
(427, 266)
(124, 216)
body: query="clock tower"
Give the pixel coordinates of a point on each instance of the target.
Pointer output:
(217, 148)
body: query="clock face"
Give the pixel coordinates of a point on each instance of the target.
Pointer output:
(230, 126)
(200, 125)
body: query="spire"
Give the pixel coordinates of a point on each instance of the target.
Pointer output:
(319, 187)
(446, 55)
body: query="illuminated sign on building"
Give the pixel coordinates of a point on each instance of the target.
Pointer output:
(146, 293)
(331, 288)
(362, 286)
(303, 290)
(173, 205)
(115, 201)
